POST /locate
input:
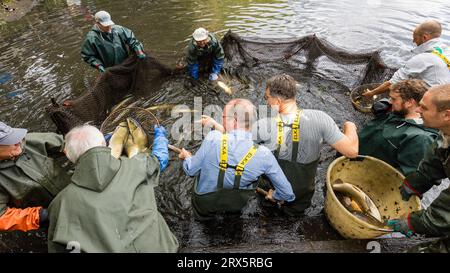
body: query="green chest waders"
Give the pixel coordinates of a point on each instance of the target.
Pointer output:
(223, 200)
(301, 176)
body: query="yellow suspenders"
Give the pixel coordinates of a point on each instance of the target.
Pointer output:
(295, 135)
(223, 152)
(438, 52)
(249, 155)
(223, 165)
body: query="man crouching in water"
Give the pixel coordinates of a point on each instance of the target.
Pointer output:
(110, 205)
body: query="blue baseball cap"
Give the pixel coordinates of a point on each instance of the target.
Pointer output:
(11, 136)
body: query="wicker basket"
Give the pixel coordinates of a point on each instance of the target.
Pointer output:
(361, 103)
(145, 118)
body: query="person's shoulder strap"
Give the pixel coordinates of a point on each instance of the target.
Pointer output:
(223, 163)
(440, 53)
(240, 167)
(296, 135)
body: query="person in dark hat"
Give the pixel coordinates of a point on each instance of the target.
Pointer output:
(30, 176)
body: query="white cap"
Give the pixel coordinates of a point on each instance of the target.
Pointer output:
(200, 34)
(103, 18)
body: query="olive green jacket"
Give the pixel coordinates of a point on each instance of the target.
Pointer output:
(435, 220)
(400, 142)
(36, 176)
(214, 48)
(109, 49)
(110, 206)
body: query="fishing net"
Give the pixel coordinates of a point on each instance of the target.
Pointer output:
(362, 103)
(308, 55)
(133, 76)
(318, 65)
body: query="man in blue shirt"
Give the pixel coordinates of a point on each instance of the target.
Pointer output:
(227, 166)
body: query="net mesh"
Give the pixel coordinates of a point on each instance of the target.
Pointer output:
(133, 76)
(307, 55)
(311, 60)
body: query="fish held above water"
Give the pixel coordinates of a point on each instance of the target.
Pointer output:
(137, 141)
(365, 204)
(118, 139)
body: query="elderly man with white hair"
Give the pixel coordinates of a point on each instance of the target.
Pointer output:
(110, 205)
(227, 166)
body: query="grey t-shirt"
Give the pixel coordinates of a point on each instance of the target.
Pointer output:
(316, 127)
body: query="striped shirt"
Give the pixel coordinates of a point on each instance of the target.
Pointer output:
(316, 127)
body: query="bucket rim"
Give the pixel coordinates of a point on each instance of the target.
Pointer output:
(336, 200)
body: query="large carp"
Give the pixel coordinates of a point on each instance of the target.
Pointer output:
(137, 139)
(361, 201)
(118, 139)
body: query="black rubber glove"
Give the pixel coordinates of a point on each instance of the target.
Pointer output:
(406, 192)
(43, 216)
(381, 107)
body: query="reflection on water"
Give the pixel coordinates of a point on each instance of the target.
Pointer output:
(40, 59)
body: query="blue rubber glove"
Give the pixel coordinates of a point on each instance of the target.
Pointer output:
(216, 66)
(213, 77)
(140, 54)
(160, 147)
(400, 225)
(108, 138)
(193, 71)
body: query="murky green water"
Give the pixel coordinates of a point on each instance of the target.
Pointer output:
(41, 53)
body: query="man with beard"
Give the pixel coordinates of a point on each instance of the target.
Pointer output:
(397, 135)
(434, 166)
